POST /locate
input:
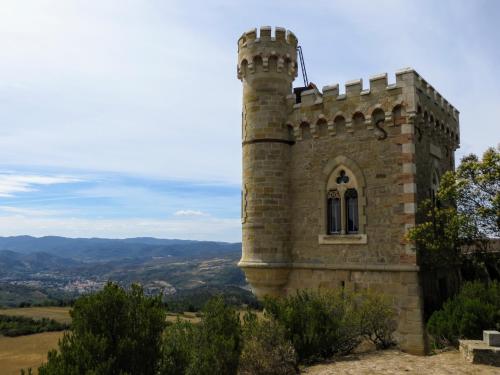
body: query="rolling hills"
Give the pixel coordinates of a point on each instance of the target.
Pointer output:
(53, 269)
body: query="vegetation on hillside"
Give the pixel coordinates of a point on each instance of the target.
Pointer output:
(56, 270)
(193, 300)
(19, 325)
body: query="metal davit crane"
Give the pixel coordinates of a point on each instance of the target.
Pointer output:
(302, 66)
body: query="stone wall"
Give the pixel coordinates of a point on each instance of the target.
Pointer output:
(402, 287)
(382, 260)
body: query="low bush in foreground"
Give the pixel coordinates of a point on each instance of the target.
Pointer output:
(19, 325)
(211, 347)
(266, 350)
(114, 332)
(474, 309)
(120, 332)
(321, 324)
(217, 341)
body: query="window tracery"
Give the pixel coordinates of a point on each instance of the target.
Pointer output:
(343, 203)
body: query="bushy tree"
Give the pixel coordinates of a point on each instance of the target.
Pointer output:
(464, 215)
(217, 341)
(478, 191)
(114, 331)
(474, 309)
(376, 318)
(178, 343)
(324, 323)
(266, 350)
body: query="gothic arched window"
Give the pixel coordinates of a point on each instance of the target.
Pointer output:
(351, 205)
(334, 212)
(342, 212)
(343, 217)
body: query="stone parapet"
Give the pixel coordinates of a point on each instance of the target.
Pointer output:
(267, 53)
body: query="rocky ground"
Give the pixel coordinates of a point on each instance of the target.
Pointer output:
(390, 362)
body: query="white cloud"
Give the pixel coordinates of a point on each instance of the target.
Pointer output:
(29, 212)
(190, 213)
(132, 87)
(150, 87)
(18, 183)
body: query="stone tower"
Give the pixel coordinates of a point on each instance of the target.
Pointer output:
(267, 67)
(332, 181)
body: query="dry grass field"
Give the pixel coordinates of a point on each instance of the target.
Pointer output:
(31, 350)
(60, 314)
(21, 352)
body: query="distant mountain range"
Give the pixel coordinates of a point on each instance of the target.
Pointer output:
(102, 249)
(36, 270)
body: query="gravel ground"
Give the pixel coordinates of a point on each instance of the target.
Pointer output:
(390, 362)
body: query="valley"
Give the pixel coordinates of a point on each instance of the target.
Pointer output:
(56, 270)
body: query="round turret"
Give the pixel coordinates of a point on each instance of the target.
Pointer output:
(267, 66)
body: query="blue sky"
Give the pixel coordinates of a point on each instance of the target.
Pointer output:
(122, 118)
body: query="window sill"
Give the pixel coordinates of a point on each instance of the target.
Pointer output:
(342, 239)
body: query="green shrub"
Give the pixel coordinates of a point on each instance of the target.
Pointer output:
(266, 351)
(474, 309)
(177, 348)
(217, 341)
(324, 323)
(376, 318)
(113, 332)
(19, 325)
(321, 324)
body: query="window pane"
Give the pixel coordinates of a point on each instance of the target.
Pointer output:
(333, 212)
(351, 200)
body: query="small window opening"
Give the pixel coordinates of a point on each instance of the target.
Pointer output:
(351, 199)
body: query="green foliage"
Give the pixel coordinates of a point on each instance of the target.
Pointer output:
(23, 296)
(321, 324)
(376, 319)
(478, 191)
(118, 332)
(465, 213)
(217, 341)
(442, 231)
(178, 343)
(20, 325)
(211, 347)
(266, 350)
(474, 309)
(193, 300)
(113, 332)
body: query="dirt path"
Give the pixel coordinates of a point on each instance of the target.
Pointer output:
(389, 362)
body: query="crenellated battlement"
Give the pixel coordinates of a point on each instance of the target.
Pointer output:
(430, 110)
(266, 34)
(267, 52)
(379, 83)
(425, 88)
